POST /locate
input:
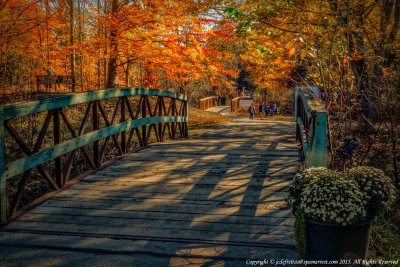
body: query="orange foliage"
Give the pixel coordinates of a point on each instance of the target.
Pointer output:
(268, 70)
(163, 39)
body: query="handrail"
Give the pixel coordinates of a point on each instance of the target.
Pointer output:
(159, 118)
(311, 128)
(207, 102)
(35, 106)
(235, 104)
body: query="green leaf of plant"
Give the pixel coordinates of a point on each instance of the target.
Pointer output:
(288, 2)
(237, 14)
(229, 10)
(263, 50)
(246, 24)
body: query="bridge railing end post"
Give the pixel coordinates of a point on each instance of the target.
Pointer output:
(311, 117)
(318, 150)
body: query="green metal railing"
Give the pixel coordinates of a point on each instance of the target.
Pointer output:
(311, 128)
(162, 111)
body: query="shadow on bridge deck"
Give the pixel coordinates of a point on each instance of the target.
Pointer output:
(214, 200)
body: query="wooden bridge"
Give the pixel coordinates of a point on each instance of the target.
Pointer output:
(215, 199)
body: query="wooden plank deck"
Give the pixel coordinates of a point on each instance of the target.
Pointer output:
(216, 200)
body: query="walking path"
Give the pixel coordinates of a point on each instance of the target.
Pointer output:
(224, 110)
(216, 200)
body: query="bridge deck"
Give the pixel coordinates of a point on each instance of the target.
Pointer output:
(216, 198)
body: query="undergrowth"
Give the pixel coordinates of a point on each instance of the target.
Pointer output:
(385, 236)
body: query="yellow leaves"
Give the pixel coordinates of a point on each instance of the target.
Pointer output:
(292, 51)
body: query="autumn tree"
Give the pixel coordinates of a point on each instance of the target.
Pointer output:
(350, 49)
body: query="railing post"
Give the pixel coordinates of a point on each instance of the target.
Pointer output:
(57, 140)
(173, 103)
(160, 110)
(187, 118)
(95, 122)
(144, 114)
(311, 119)
(3, 192)
(123, 119)
(317, 157)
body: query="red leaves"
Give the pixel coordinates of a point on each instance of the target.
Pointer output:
(384, 73)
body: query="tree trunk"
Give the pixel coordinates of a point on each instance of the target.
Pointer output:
(127, 72)
(71, 38)
(80, 40)
(99, 60)
(112, 64)
(47, 33)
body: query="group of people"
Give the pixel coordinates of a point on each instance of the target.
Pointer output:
(268, 110)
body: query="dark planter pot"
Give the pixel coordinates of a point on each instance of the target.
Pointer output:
(294, 207)
(328, 241)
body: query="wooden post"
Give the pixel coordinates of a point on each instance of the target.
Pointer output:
(57, 140)
(144, 135)
(317, 152)
(173, 114)
(3, 192)
(296, 93)
(312, 117)
(159, 102)
(123, 118)
(95, 118)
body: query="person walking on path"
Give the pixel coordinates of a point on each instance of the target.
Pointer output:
(267, 110)
(216, 101)
(252, 110)
(274, 110)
